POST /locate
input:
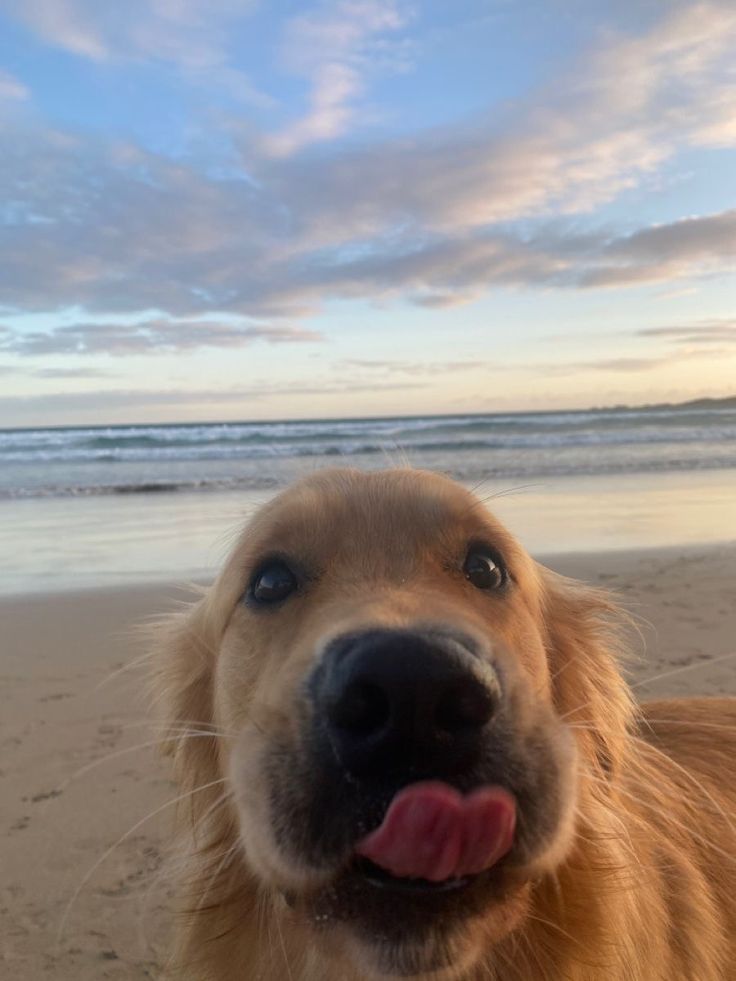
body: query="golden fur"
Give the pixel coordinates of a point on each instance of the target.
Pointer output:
(639, 887)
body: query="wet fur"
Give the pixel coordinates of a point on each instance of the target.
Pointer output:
(643, 893)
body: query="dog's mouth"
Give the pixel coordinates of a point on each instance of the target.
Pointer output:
(387, 862)
(415, 871)
(374, 875)
(414, 885)
(436, 857)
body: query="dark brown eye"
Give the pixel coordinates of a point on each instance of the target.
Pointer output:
(484, 570)
(273, 583)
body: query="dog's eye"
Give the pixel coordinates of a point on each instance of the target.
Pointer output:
(273, 583)
(484, 570)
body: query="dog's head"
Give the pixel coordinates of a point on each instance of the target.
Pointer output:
(392, 678)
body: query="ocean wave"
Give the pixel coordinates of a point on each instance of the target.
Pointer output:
(168, 459)
(470, 472)
(305, 437)
(144, 487)
(141, 450)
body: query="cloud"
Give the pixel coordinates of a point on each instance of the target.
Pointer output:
(189, 32)
(12, 88)
(569, 146)
(436, 218)
(120, 230)
(624, 365)
(704, 332)
(668, 251)
(148, 336)
(410, 367)
(335, 48)
(433, 300)
(74, 373)
(195, 36)
(705, 339)
(71, 373)
(616, 365)
(115, 228)
(690, 238)
(104, 400)
(443, 271)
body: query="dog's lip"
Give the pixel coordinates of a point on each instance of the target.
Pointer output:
(379, 878)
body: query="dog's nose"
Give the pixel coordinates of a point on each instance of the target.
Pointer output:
(393, 700)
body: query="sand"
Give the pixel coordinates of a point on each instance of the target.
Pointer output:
(62, 708)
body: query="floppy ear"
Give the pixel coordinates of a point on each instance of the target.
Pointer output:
(586, 647)
(184, 650)
(219, 923)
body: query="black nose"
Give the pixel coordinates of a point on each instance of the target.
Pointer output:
(392, 700)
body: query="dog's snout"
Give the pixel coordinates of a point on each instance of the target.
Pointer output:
(395, 700)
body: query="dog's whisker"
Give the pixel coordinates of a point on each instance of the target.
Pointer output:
(132, 665)
(152, 744)
(483, 480)
(669, 819)
(559, 672)
(691, 724)
(224, 798)
(506, 492)
(226, 858)
(287, 965)
(683, 669)
(645, 746)
(139, 824)
(198, 725)
(167, 869)
(660, 677)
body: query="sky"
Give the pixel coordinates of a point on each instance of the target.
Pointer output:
(240, 209)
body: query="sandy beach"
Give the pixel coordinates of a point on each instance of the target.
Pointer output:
(79, 771)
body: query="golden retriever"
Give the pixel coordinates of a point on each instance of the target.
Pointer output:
(406, 750)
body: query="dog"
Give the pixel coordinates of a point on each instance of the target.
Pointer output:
(407, 750)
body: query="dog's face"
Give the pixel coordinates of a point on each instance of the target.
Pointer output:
(384, 651)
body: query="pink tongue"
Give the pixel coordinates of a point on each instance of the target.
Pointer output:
(432, 832)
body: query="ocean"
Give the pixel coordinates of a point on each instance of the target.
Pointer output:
(256, 456)
(87, 505)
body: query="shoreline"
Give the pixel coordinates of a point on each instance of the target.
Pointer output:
(67, 708)
(572, 563)
(73, 543)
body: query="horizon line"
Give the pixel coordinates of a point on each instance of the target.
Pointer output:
(619, 406)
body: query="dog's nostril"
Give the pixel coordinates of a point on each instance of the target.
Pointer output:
(362, 708)
(464, 704)
(398, 702)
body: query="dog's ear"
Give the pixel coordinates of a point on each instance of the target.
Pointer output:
(586, 646)
(184, 649)
(217, 898)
